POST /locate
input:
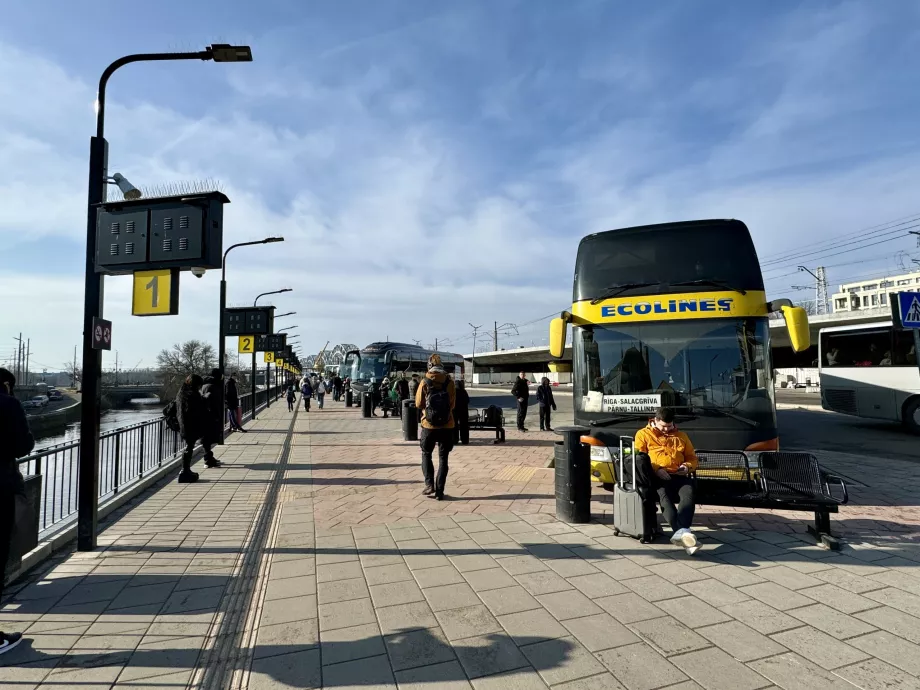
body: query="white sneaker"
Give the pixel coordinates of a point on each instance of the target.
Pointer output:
(8, 641)
(688, 539)
(677, 537)
(691, 550)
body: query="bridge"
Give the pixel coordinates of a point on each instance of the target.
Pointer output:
(122, 394)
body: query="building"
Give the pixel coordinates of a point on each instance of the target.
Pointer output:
(873, 294)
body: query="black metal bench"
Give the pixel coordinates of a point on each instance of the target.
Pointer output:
(772, 480)
(491, 418)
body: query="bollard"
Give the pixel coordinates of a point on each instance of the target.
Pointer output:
(409, 421)
(348, 398)
(367, 404)
(573, 475)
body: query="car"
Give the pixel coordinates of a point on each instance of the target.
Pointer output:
(42, 400)
(54, 394)
(30, 403)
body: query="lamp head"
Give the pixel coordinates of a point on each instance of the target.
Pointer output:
(223, 52)
(270, 240)
(129, 191)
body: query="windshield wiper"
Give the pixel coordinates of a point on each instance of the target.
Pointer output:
(713, 283)
(615, 290)
(726, 413)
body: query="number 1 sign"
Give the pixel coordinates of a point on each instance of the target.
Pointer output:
(156, 293)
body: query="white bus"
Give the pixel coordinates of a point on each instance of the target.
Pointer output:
(870, 370)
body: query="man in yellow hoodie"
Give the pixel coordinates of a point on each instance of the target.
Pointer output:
(435, 400)
(672, 460)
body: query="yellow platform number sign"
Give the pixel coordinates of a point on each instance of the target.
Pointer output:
(155, 293)
(247, 344)
(269, 357)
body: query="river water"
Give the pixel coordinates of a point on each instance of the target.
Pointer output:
(110, 419)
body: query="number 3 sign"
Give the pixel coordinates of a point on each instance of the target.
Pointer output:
(156, 293)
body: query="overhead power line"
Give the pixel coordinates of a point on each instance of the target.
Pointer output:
(817, 254)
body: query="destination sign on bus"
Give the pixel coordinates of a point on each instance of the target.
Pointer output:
(700, 305)
(631, 403)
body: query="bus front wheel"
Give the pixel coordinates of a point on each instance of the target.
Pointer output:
(912, 415)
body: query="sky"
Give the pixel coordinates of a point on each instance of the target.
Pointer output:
(434, 164)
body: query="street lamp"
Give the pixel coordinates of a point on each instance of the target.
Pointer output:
(288, 313)
(286, 329)
(88, 474)
(254, 303)
(221, 340)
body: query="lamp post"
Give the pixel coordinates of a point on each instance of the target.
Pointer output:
(254, 303)
(88, 475)
(268, 366)
(221, 341)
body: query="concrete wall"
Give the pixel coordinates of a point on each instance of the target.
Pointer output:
(508, 377)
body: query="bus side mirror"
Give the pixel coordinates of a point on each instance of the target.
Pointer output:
(557, 338)
(797, 325)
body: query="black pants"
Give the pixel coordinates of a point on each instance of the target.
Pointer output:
(677, 490)
(545, 411)
(444, 440)
(306, 403)
(522, 414)
(190, 450)
(9, 483)
(462, 427)
(290, 404)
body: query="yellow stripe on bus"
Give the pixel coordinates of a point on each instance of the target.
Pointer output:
(693, 305)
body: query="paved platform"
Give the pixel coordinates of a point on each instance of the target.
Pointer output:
(311, 560)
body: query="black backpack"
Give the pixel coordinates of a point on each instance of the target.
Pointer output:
(171, 415)
(437, 405)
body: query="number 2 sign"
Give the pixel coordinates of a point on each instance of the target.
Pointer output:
(247, 344)
(155, 293)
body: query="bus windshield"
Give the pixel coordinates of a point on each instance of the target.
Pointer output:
(717, 363)
(370, 367)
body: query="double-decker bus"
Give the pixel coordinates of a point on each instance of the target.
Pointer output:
(674, 314)
(870, 370)
(369, 366)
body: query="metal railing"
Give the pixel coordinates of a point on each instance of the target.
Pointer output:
(126, 456)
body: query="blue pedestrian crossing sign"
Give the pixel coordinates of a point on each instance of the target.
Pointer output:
(909, 309)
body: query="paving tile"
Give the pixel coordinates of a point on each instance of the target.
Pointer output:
(603, 681)
(288, 610)
(508, 600)
(714, 592)
(639, 667)
(740, 641)
(344, 614)
(572, 567)
(140, 596)
(561, 660)
(422, 561)
(396, 593)
(692, 612)
(597, 585)
(468, 621)
(569, 604)
(890, 648)
(368, 674)
(715, 670)
(826, 651)
(295, 568)
(438, 577)
(395, 619)
(890, 578)
(385, 574)
(290, 587)
(874, 674)
(669, 635)
(522, 565)
(677, 573)
(893, 621)
(792, 672)
(444, 676)
(622, 569)
(839, 598)
(451, 597)
(654, 588)
(491, 578)
(897, 599)
(834, 623)
(762, 618)
(418, 648)
(276, 639)
(733, 576)
(543, 582)
(486, 655)
(788, 577)
(339, 571)
(600, 632)
(629, 608)
(342, 590)
(777, 596)
(353, 642)
(529, 627)
(474, 561)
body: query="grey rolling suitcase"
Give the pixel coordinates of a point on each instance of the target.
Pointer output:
(629, 516)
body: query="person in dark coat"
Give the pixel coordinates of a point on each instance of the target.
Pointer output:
(306, 392)
(462, 414)
(17, 442)
(291, 398)
(232, 402)
(194, 417)
(545, 401)
(214, 428)
(402, 392)
(521, 392)
(337, 387)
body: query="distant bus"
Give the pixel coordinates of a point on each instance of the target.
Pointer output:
(870, 370)
(369, 366)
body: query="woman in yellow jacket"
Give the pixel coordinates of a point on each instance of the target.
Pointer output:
(673, 459)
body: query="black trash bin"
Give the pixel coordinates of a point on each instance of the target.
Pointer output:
(367, 404)
(349, 400)
(573, 475)
(409, 421)
(25, 534)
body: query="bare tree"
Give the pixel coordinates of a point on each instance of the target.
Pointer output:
(191, 357)
(75, 372)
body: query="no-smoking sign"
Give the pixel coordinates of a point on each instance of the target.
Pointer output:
(102, 334)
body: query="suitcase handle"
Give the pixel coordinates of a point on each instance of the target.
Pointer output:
(620, 476)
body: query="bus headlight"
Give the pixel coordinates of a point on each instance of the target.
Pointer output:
(600, 454)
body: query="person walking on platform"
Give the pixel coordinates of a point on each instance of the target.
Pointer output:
(413, 386)
(306, 392)
(320, 393)
(337, 388)
(462, 414)
(17, 442)
(291, 398)
(232, 403)
(402, 392)
(545, 401)
(435, 399)
(192, 412)
(214, 424)
(521, 392)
